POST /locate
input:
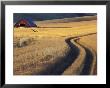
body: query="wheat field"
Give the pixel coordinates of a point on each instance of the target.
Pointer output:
(34, 52)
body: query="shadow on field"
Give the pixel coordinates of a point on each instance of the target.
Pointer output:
(62, 63)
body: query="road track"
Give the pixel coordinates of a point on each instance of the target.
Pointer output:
(84, 64)
(79, 60)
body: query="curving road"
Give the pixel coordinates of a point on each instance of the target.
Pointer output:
(86, 63)
(67, 64)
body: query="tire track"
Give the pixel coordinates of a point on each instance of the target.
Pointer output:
(76, 67)
(84, 64)
(90, 60)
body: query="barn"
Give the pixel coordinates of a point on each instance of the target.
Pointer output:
(25, 23)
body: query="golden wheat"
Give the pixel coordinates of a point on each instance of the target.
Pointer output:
(47, 44)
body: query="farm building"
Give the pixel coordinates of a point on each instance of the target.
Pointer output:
(25, 23)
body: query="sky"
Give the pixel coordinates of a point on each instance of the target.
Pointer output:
(47, 16)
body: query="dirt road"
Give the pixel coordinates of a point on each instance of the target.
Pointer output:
(79, 60)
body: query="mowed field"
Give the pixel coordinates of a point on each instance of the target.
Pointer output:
(43, 50)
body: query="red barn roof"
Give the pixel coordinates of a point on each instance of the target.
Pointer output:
(25, 23)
